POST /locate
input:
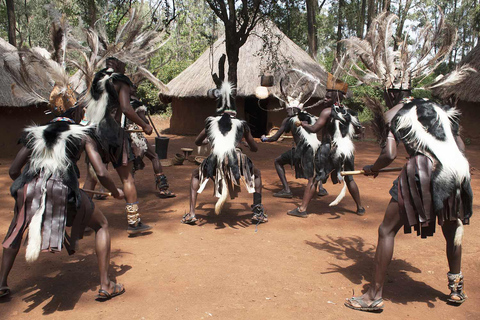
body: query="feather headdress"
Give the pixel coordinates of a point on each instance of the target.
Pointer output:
(376, 62)
(296, 88)
(40, 76)
(133, 45)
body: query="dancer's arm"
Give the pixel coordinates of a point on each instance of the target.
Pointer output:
(320, 123)
(386, 157)
(277, 134)
(249, 138)
(100, 169)
(199, 141)
(20, 160)
(124, 101)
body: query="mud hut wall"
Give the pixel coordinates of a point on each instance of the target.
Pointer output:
(470, 119)
(189, 114)
(12, 122)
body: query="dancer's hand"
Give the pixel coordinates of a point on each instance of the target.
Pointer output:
(303, 124)
(367, 170)
(120, 195)
(148, 129)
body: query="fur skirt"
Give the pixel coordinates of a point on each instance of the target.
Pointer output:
(243, 166)
(416, 199)
(59, 212)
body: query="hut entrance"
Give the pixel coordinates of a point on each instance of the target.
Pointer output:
(255, 117)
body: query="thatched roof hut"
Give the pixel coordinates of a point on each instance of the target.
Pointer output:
(467, 94)
(188, 91)
(465, 90)
(15, 112)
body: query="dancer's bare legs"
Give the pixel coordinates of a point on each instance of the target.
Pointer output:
(280, 167)
(99, 223)
(355, 193)
(308, 194)
(194, 186)
(387, 231)
(8, 258)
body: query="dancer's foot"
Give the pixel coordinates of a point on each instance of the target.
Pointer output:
(189, 218)
(283, 194)
(297, 213)
(138, 227)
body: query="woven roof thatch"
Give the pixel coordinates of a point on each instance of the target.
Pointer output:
(7, 99)
(196, 79)
(467, 89)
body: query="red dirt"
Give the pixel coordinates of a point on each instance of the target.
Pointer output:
(222, 268)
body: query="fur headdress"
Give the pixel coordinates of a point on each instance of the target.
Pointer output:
(395, 69)
(225, 91)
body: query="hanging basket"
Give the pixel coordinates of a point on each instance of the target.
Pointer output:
(266, 81)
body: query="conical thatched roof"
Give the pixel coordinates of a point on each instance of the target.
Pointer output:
(196, 80)
(467, 90)
(7, 99)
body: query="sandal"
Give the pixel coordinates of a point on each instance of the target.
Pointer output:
(297, 213)
(360, 211)
(6, 291)
(283, 194)
(455, 284)
(104, 295)
(376, 305)
(259, 215)
(190, 220)
(322, 192)
(164, 194)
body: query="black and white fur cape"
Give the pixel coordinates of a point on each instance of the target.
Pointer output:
(427, 128)
(224, 134)
(54, 151)
(337, 146)
(99, 102)
(307, 144)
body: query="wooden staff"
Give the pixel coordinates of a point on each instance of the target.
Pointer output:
(357, 172)
(98, 192)
(152, 124)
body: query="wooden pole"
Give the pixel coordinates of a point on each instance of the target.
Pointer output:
(357, 172)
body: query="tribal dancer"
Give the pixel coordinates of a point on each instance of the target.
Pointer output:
(105, 102)
(337, 150)
(142, 147)
(434, 185)
(227, 164)
(48, 198)
(297, 87)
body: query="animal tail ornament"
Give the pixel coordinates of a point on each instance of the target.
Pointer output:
(340, 196)
(35, 227)
(459, 233)
(223, 197)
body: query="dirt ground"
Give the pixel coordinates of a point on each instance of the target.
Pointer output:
(226, 268)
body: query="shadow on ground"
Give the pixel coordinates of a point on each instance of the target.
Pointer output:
(233, 218)
(64, 283)
(400, 287)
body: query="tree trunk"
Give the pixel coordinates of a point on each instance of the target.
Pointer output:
(312, 28)
(452, 56)
(371, 12)
(361, 20)
(92, 13)
(386, 5)
(402, 14)
(12, 37)
(340, 27)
